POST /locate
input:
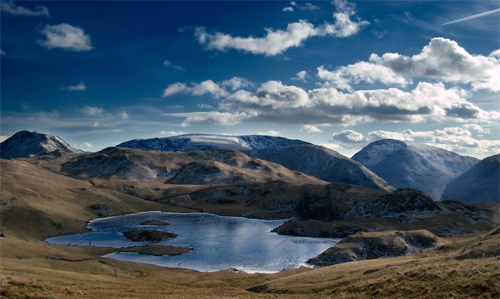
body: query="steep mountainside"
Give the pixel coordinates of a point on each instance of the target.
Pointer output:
(220, 166)
(25, 143)
(407, 164)
(323, 163)
(200, 142)
(480, 183)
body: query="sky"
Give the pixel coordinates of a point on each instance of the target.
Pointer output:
(336, 73)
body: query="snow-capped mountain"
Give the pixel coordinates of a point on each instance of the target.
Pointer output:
(201, 142)
(323, 163)
(480, 183)
(409, 164)
(25, 143)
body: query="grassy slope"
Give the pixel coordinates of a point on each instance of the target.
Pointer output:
(48, 204)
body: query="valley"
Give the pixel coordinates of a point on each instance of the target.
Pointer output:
(450, 247)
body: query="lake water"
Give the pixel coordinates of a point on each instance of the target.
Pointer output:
(218, 242)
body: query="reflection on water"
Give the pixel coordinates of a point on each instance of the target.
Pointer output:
(218, 242)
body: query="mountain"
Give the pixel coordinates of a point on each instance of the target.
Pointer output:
(221, 166)
(323, 163)
(201, 142)
(408, 164)
(480, 183)
(25, 143)
(297, 155)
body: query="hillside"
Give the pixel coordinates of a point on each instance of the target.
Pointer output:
(25, 143)
(317, 161)
(323, 163)
(480, 183)
(412, 165)
(220, 166)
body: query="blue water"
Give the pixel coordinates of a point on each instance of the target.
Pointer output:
(218, 242)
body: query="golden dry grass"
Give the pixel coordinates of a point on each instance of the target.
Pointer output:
(38, 203)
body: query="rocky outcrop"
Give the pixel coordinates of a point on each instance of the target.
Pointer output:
(365, 246)
(148, 235)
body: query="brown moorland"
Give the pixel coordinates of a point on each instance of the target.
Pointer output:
(37, 203)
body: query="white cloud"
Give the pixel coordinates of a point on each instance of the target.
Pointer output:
(348, 136)
(79, 87)
(10, 7)
(358, 72)
(92, 111)
(274, 102)
(301, 76)
(95, 125)
(124, 115)
(277, 41)
(86, 145)
(310, 129)
(66, 37)
(171, 133)
(237, 83)
(205, 106)
(212, 118)
(290, 9)
(270, 133)
(444, 59)
(205, 87)
(306, 6)
(174, 66)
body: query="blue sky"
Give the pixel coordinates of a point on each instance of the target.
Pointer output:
(341, 73)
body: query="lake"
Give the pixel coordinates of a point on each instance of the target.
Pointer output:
(217, 242)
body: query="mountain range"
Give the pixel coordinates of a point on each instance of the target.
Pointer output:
(385, 164)
(406, 164)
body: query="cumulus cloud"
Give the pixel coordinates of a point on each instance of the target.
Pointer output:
(93, 111)
(310, 129)
(10, 7)
(66, 37)
(441, 59)
(458, 139)
(301, 76)
(205, 106)
(237, 83)
(348, 136)
(205, 87)
(277, 41)
(79, 87)
(174, 66)
(290, 9)
(444, 59)
(274, 102)
(217, 90)
(306, 6)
